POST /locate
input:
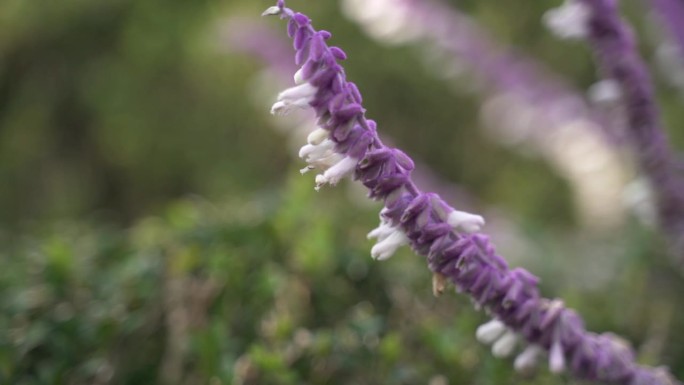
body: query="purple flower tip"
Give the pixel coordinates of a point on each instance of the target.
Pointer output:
(301, 19)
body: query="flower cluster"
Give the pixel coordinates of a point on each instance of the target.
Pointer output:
(346, 144)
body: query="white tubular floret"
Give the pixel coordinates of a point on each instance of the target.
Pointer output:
(322, 163)
(311, 152)
(292, 98)
(317, 136)
(490, 332)
(336, 172)
(503, 347)
(469, 223)
(270, 11)
(381, 232)
(389, 238)
(298, 76)
(556, 358)
(528, 359)
(319, 152)
(385, 249)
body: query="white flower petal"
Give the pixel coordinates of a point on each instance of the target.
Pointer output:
(317, 136)
(292, 98)
(325, 162)
(470, 223)
(320, 182)
(556, 358)
(387, 247)
(339, 170)
(503, 347)
(303, 91)
(316, 151)
(527, 360)
(490, 332)
(381, 232)
(280, 109)
(298, 78)
(271, 11)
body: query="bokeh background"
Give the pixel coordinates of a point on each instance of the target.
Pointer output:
(155, 227)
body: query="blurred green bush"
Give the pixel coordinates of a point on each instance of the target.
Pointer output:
(263, 292)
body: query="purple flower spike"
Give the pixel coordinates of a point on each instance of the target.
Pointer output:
(426, 223)
(615, 50)
(672, 14)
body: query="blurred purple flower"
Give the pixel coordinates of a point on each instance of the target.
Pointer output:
(615, 49)
(667, 20)
(426, 222)
(499, 68)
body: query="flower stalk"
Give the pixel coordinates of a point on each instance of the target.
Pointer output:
(429, 225)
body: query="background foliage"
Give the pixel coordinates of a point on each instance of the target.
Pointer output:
(156, 230)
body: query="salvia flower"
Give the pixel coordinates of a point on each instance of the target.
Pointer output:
(467, 260)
